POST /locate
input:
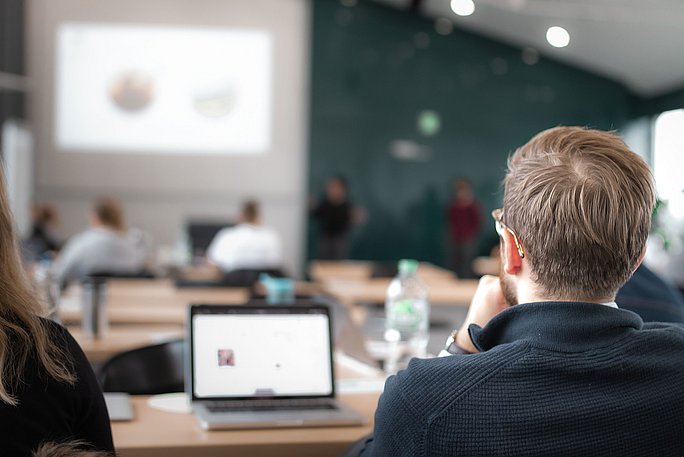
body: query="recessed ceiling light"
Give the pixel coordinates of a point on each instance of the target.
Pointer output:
(463, 7)
(557, 37)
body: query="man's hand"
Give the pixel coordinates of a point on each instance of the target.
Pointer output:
(487, 302)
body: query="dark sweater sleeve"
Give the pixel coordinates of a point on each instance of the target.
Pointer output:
(92, 423)
(398, 430)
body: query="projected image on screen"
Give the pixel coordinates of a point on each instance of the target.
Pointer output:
(131, 91)
(163, 89)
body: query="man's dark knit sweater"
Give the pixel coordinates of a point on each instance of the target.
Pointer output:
(558, 378)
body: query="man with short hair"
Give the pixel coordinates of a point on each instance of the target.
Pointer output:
(546, 364)
(248, 245)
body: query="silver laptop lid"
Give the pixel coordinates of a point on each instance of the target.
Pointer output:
(239, 352)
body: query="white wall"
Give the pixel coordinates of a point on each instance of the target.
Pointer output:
(160, 192)
(17, 158)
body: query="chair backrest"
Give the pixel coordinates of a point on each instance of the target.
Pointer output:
(236, 278)
(149, 370)
(140, 274)
(200, 234)
(246, 277)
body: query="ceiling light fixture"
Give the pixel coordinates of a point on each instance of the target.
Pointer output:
(463, 7)
(557, 37)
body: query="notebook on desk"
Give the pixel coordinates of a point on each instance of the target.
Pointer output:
(262, 366)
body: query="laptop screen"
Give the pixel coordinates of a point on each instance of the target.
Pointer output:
(256, 352)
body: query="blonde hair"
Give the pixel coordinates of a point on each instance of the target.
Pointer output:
(580, 202)
(108, 210)
(70, 449)
(23, 334)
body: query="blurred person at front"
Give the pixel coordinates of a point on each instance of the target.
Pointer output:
(105, 247)
(47, 388)
(69, 449)
(247, 246)
(336, 215)
(465, 222)
(546, 364)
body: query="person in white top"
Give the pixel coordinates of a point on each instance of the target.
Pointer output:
(248, 245)
(103, 248)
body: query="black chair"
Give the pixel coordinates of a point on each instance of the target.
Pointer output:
(201, 233)
(102, 276)
(149, 370)
(140, 274)
(235, 278)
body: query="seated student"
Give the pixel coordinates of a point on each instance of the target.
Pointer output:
(103, 248)
(248, 245)
(546, 363)
(48, 391)
(42, 240)
(648, 295)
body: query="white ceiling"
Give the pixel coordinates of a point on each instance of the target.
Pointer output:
(639, 43)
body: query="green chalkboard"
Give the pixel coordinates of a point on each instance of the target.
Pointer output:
(375, 69)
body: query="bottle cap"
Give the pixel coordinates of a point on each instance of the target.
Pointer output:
(407, 266)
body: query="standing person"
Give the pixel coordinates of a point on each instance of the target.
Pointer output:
(103, 248)
(47, 389)
(248, 245)
(546, 364)
(465, 222)
(335, 215)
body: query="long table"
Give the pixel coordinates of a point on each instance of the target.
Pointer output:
(156, 301)
(441, 292)
(140, 312)
(145, 311)
(122, 338)
(156, 433)
(351, 283)
(326, 270)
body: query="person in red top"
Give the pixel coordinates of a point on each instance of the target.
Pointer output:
(465, 220)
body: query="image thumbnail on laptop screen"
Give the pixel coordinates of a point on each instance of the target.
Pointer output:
(243, 353)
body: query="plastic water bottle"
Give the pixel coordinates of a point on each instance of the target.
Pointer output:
(407, 317)
(46, 288)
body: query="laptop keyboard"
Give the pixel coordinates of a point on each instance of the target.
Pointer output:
(268, 405)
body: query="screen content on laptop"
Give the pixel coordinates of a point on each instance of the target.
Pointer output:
(261, 355)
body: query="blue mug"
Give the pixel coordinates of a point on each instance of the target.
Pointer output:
(278, 290)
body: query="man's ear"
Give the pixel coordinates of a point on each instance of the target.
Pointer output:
(512, 262)
(641, 259)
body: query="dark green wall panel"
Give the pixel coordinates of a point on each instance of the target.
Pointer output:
(369, 82)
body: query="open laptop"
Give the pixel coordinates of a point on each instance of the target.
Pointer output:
(262, 366)
(347, 335)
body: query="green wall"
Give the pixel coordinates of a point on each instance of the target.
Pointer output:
(666, 102)
(369, 82)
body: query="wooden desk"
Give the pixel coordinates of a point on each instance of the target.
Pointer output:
(487, 266)
(123, 338)
(454, 292)
(325, 270)
(144, 312)
(149, 301)
(156, 433)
